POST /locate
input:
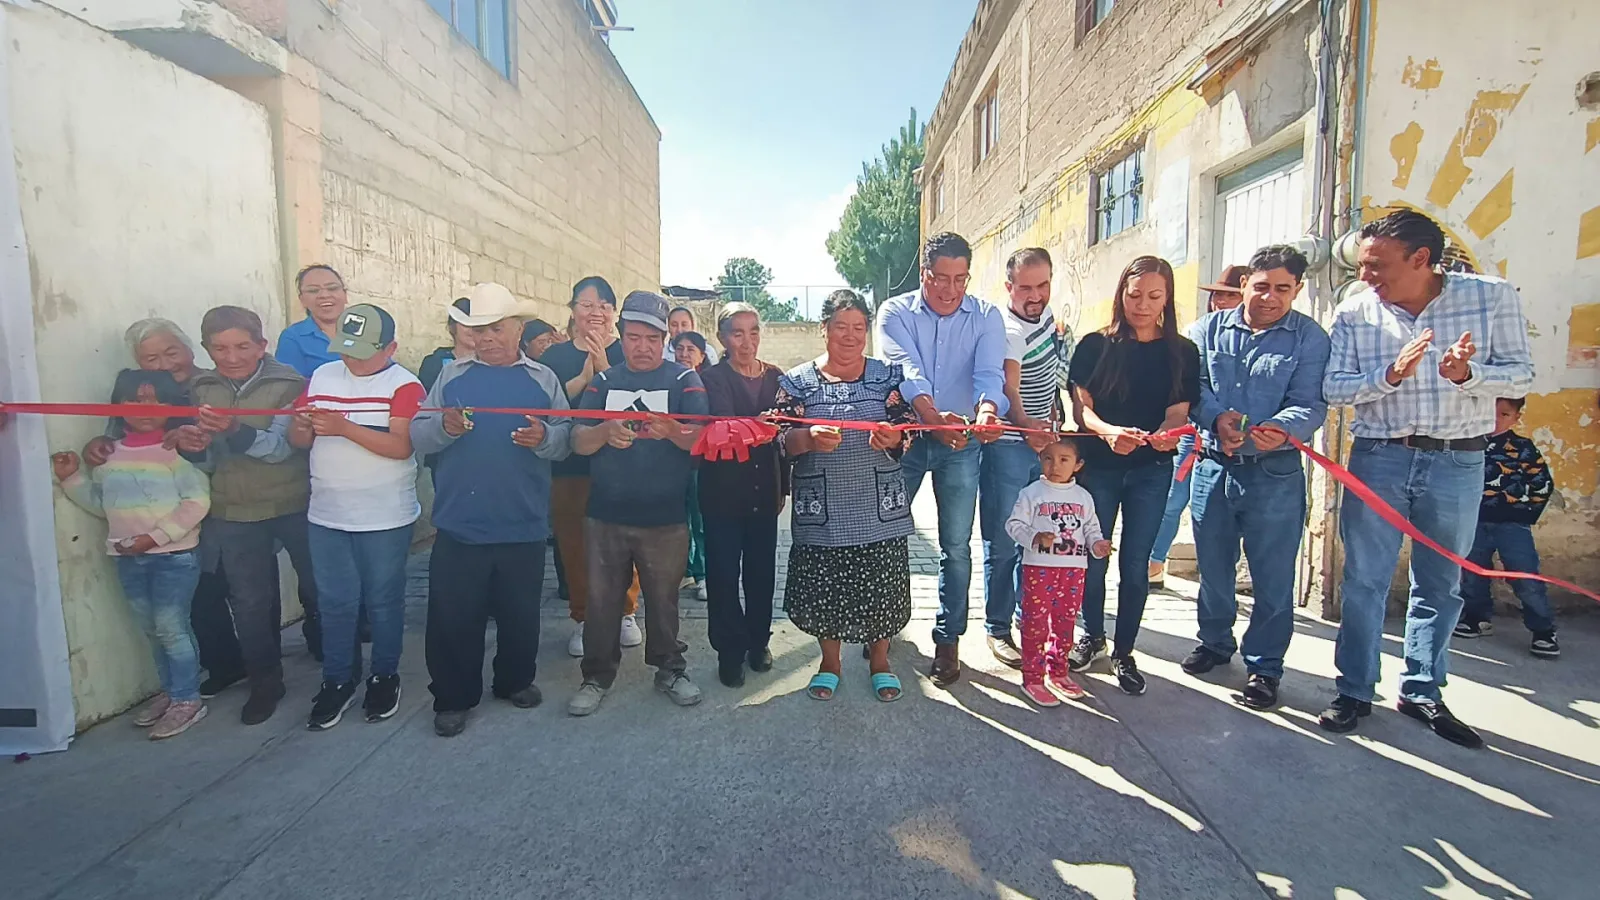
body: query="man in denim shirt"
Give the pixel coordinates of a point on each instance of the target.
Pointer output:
(1261, 368)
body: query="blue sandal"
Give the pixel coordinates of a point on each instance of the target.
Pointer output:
(823, 681)
(886, 681)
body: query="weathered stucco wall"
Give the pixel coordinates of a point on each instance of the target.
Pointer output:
(145, 190)
(1479, 126)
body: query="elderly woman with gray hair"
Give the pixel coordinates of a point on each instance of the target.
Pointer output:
(159, 345)
(740, 503)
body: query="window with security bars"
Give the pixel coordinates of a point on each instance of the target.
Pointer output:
(485, 24)
(1119, 197)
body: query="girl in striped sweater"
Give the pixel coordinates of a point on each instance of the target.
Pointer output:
(153, 500)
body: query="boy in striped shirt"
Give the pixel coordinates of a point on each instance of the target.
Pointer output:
(355, 416)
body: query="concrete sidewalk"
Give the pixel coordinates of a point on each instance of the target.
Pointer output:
(763, 792)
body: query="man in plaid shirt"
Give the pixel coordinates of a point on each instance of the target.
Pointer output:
(1422, 355)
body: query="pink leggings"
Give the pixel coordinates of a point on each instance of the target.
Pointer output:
(1051, 598)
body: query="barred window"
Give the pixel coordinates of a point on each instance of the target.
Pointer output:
(1118, 196)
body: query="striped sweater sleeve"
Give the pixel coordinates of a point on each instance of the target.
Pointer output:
(194, 501)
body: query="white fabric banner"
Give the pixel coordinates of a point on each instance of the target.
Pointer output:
(36, 712)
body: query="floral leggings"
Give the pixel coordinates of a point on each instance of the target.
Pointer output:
(1051, 598)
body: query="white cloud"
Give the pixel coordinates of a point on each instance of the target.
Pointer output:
(696, 241)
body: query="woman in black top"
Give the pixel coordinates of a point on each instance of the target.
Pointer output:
(1133, 378)
(740, 503)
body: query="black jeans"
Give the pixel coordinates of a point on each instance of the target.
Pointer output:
(747, 545)
(466, 582)
(220, 655)
(249, 554)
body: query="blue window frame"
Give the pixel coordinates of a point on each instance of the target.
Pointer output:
(1119, 196)
(485, 24)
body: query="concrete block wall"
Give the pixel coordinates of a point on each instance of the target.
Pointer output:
(434, 171)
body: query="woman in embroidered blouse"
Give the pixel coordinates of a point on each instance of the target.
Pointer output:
(849, 573)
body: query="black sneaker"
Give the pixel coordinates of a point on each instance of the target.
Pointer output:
(1544, 645)
(1260, 692)
(1085, 652)
(1465, 629)
(1128, 677)
(1341, 715)
(1438, 717)
(1201, 660)
(329, 706)
(731, 672)
(216, 684)
(383, 697)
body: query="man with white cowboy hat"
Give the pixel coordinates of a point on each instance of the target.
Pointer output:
(491, 509)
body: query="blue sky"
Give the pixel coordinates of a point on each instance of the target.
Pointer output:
(767, 109)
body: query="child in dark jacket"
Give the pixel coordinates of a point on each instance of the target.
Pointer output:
(1516, 490)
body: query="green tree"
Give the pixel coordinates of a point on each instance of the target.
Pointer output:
(875, 247)
(745, 280)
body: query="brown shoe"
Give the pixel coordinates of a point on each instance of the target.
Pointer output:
(946, 669)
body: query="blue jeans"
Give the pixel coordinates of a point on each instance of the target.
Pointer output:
(355, 569)
(1514, 542)
(1005, 468)
(159, 588)
(1260, 501)
(1439, 492)
(1140, 495)
(1177, 501)
(955, 490)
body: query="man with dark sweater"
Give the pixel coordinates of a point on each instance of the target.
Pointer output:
(637, 518)
(1516, 490)
(491, 509)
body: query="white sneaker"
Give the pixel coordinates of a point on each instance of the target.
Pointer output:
(678, 686)
(700, 590)
(575, 644)
(586, 700)
(631, 635)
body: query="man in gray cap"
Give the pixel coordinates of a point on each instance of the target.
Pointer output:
(636, 516)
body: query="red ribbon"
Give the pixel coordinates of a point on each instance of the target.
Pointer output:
(730, 438)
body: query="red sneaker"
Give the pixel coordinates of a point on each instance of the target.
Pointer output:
(1067, 687)
(1040, 695)
(153, 711)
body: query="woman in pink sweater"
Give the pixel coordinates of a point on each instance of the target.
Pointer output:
(153, 500)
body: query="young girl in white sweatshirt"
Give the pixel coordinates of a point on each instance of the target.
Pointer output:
(1054, 522)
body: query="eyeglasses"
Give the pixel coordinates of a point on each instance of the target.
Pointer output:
(945, 281)
(591, 306)
(317, 290)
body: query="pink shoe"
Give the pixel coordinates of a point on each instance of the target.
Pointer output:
(178, 719)
(1040, 695)
(153, 711)
(1067, 687)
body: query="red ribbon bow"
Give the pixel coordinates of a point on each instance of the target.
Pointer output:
(731, 439)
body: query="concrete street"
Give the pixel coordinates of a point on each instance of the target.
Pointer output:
(765, 793)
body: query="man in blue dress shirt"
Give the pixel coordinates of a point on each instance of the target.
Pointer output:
(1261, 368)
(952, 348)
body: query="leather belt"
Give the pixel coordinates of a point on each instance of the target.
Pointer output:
(1423, 442)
